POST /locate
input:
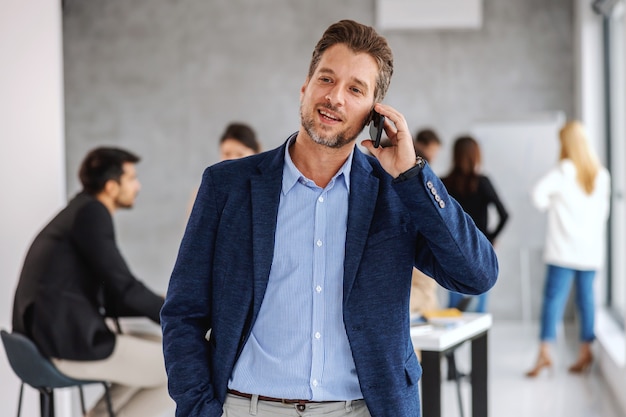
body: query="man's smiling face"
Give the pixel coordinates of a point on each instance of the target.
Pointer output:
(336, 101)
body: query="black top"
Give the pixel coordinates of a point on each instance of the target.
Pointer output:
(476, 203)
(73, 276)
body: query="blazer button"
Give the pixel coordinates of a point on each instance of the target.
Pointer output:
(429, 184)
(442, 204)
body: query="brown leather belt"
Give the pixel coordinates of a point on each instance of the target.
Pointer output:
(272, 399)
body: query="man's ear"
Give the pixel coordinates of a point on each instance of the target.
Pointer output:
(303, 88)
(111, 187)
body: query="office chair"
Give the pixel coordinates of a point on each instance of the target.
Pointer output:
(40, 373)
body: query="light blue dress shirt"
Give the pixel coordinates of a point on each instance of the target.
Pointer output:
(298, 348)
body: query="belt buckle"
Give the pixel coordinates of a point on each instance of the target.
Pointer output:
(300, 404)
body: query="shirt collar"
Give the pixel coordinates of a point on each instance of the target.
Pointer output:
(291, 174)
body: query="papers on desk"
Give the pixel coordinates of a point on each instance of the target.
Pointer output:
(443, 313)
(419, 325)
(446, 322)
(435, 319)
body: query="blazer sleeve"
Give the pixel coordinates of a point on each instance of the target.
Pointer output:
(94, 237)
(449, 248)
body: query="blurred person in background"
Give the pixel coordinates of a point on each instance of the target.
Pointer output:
(74, 280)
(575, 194)
(238, 140)
(427, 144)
(475, 193)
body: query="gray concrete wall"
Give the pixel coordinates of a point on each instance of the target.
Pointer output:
(163, 78)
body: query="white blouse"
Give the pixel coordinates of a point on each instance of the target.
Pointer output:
(576, 220)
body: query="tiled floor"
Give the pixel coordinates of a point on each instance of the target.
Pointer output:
(512, 350)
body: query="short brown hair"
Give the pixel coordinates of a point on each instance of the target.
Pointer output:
(426, 137)
(359, 38)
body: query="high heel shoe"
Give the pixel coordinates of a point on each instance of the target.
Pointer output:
(542, 362)
(582, 365)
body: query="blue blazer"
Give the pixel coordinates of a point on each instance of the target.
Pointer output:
(223, 266)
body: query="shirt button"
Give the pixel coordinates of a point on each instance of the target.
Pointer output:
(319, 243)
(318, 335)
(320, 199)
(318, 288)
(315, 382)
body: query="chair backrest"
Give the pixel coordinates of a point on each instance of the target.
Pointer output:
(31, 366)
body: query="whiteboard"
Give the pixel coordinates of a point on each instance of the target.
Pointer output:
(515, 154)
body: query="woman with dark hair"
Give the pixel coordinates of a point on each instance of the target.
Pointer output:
(475, 194)
(238, 141)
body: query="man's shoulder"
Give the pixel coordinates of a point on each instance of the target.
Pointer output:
(79, 204)
(84, 204)
(241, 168)
(85, 213)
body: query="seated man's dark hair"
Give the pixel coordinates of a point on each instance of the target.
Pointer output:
(101, 165)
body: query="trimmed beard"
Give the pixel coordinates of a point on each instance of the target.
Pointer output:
(338, 141)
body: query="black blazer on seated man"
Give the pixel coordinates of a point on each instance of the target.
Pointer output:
(70, 266)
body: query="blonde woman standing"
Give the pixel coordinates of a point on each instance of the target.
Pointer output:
(575, 195)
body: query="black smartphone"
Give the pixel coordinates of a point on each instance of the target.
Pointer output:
(377, 122)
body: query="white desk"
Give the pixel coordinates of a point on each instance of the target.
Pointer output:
(435, 343)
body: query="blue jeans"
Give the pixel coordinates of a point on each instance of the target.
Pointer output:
(477, 305)
(557, 286)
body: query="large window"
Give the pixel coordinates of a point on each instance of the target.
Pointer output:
(615, 51)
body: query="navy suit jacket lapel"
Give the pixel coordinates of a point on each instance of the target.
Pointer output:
(361, 204)
(265, 196)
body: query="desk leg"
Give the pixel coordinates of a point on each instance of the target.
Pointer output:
(431, 384)
(480, 400)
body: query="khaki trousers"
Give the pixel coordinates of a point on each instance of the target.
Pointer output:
(236, 406)
(137, 373)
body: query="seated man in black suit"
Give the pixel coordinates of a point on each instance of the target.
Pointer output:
(74, 277)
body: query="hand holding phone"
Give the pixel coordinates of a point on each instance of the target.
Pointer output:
(377, 122)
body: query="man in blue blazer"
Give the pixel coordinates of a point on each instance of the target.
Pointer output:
(290, 294)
